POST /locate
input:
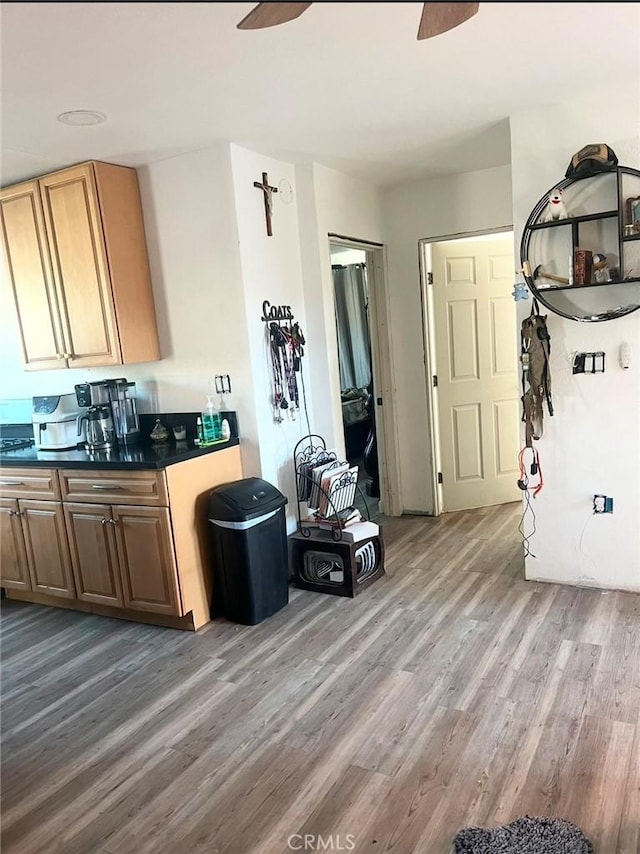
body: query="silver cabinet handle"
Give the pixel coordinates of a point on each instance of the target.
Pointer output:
(109, 487)
(103, 521)
(112, 521)
(15, 513)
(11, 483)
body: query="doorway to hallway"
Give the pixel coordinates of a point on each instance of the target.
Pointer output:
(472, 367)
(351, 299)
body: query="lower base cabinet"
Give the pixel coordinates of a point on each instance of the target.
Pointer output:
(13, 555)
(146, 558)
(123, 556)
(125, 543)
(45, 539)
(94, 555)
(34, 550)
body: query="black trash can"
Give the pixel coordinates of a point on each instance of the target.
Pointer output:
(251, 573)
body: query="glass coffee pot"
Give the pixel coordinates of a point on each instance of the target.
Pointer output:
(99, 432)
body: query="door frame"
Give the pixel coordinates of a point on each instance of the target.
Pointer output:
(381, 367)
(429, 342)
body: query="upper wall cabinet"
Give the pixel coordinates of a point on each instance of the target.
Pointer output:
(76, 259)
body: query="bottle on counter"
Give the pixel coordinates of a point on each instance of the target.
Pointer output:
(211, 422)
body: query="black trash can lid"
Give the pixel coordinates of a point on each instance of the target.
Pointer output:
(245, 499)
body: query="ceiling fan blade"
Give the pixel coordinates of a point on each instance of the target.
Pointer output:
(439, 17)
(270, 14)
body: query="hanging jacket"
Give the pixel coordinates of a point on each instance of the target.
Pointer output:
(536, 375)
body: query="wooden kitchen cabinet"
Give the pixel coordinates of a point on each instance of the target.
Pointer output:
(113, 487)
(34, 551)
(27, 268)
(129, 543)
(77, 263)
(94, 554)
(147, 561)
(47, 547)
(123, 556)
(30, 483)
(14, 572)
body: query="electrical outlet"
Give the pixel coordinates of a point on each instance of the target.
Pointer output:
(602, 504)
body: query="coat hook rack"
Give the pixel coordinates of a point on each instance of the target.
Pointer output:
(275, 312)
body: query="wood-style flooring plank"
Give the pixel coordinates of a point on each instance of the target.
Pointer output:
(451, 692)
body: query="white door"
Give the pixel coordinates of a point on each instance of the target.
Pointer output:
(477, 392)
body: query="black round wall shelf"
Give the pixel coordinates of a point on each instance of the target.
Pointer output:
(585, 266)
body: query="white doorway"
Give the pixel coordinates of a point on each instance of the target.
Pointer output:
(351, 299)
(364, 356)
(472, 369)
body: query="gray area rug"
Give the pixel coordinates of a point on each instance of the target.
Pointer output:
(524, 836)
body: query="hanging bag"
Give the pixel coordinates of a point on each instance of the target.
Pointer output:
(535, 343)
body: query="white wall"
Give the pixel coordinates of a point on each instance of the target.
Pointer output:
(192, 239)
(271, 270)
(193, 242)
(454, 204)
(592, 443)
(330, 203)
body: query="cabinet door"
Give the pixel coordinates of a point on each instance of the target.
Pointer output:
(80, 270)
(147, 561)
(13, 557)
(28, 271)
(94, 556)
(47, 547)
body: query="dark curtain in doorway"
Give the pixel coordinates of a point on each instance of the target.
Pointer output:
(354, 347)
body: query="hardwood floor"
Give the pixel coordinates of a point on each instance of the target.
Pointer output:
(450, 693)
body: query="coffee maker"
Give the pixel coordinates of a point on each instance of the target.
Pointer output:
(92, 394)
(98, 423)
(122, 395)
(117, 416)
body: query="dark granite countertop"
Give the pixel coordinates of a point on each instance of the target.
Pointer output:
(136, 457)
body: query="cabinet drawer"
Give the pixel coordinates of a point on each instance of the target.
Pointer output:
(114, 487)
(29, 483)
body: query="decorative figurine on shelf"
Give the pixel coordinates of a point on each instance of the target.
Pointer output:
(601, 274)
(556, 208)
(159, 433)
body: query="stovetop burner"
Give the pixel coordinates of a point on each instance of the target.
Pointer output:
(15, 444)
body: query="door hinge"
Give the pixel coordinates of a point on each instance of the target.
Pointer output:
(440, 478)
(429, 278)
(379, 401)
(434, 380)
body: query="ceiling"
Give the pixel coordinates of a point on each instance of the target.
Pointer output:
(346, 84)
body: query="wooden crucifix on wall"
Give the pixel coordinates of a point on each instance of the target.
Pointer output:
(267, 190)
